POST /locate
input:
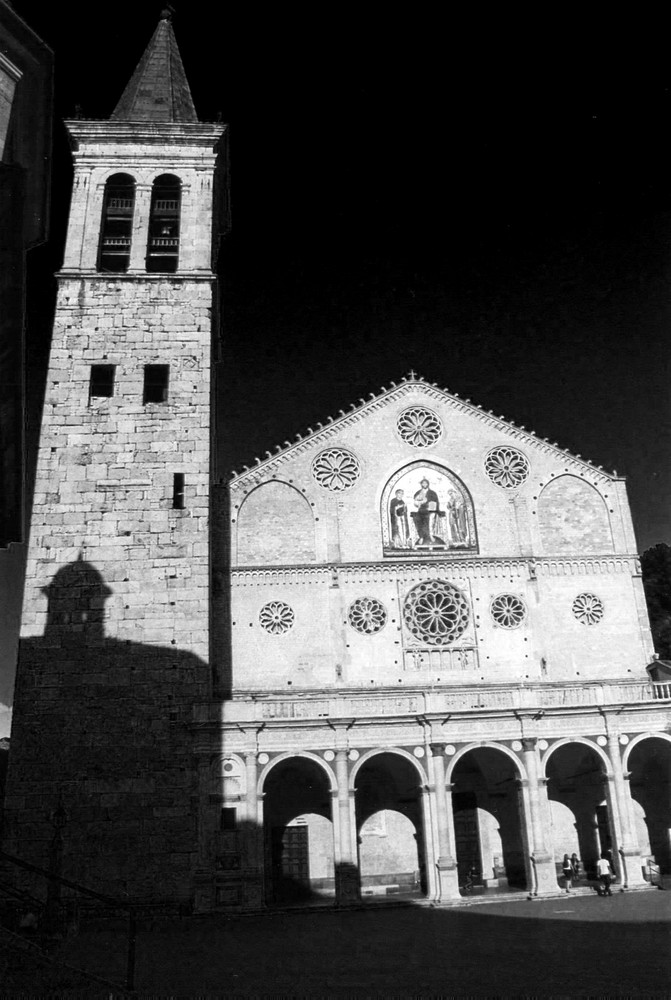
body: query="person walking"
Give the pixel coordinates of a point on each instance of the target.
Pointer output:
(567, 871)
(605, 874)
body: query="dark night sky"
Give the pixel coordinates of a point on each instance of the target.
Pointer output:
(486, 203)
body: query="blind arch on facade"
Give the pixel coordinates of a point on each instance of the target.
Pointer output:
(275, 526)
(573, 518)
(117, 224)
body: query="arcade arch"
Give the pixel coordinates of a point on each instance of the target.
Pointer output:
(489, 833)
(390, 825)
(649, 762)
(298, 831)
(581, 819)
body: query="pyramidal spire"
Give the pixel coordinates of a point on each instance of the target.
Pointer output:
(158, 90)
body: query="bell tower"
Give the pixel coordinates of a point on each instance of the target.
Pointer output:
(115, 630)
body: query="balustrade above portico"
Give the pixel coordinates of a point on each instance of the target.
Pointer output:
(394, 704)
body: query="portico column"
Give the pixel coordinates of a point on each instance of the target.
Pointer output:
(346, 869)
(446, 862)
(252, 832)
(252, 798)
(541, 858)
(628, 848)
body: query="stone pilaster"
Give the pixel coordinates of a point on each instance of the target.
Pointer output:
(346, 869)
(628, 850)
(446, 862)
(543, 869)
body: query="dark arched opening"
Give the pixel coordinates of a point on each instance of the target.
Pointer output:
(298, 830)
(650, 781)
(117, 224)
(580, 819)
(390, 827)
(163, 239)
(488, 828)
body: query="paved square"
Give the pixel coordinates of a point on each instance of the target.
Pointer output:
(566, 946)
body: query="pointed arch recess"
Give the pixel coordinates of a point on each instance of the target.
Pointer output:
(275, 527)
(572, 517)
(427, 520)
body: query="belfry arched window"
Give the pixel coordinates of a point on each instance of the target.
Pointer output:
(117, 223)
(163, 242)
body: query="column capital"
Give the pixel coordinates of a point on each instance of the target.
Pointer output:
(437, 749)
(529, 743)
(521, 782)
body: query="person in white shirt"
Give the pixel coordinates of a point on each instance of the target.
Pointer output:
(605, 873)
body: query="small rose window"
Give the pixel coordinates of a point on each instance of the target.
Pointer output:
(419, 426)
(507, 467)
(276, 617)
(336, 469)
(508, 611)
(367, 615)
(588, 609)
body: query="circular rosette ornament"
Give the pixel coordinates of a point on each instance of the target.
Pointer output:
(336, 469)
(588, 609)
(419, 426)
(507, 467)
(436, 612)
(508, 611)
(276, 617)
(367, 615)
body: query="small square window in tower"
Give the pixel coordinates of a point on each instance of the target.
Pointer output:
(163, 243)
(102, 381)
(156, 383)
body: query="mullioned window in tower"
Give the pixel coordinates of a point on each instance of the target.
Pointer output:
(163, 240)
(117, 224)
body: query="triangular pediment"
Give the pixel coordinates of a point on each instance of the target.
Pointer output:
(417, 392)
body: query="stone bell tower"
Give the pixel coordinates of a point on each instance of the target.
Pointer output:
(115, 632)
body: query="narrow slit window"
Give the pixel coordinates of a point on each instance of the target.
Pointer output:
(117, 224)
(163, 242)
(228, 818)
(178, 491)
(156, 383)
(102, 380)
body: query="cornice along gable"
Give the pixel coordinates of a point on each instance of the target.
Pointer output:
(269, 466)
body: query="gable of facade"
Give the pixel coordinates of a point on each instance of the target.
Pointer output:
(419, 540)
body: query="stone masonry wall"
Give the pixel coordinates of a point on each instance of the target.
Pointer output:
(114, 645)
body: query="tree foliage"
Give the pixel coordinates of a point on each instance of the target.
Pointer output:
(656, 566)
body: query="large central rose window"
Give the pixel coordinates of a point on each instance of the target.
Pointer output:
(436, 612)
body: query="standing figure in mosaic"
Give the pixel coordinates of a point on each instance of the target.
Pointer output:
(427, 516)
(456, 512)
(398, 518)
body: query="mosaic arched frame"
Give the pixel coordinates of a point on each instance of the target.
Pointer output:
(426, 511)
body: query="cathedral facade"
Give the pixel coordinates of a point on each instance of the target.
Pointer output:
(408, 654)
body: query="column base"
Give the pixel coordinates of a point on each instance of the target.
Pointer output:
(631, 866)
(544, 874)
(347, 885)
(448, 880)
